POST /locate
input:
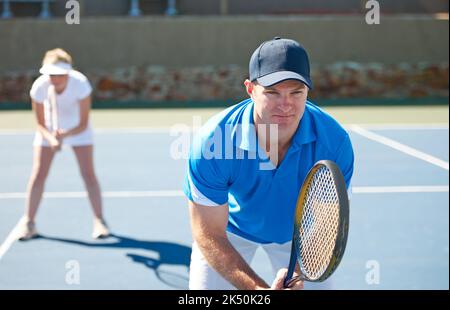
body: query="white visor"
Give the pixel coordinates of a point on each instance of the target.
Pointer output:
(59, 68)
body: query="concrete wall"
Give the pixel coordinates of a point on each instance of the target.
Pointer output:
(108, 43)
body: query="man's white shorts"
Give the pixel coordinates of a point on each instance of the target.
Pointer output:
(203, 277)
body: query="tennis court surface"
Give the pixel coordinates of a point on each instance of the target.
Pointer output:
(399, 214)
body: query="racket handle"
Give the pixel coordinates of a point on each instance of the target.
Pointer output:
(53, 108)
(292, 264)
(292, 281)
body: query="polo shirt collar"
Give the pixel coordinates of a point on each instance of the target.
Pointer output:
(246, 138)
(305, 133)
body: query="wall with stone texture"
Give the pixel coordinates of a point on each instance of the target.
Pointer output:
(340, 80)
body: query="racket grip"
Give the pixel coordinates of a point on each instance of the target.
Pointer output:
(290, 282)
(292, 264)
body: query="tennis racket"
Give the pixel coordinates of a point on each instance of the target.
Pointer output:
(320, 224)
(54, 123)
(53, 108)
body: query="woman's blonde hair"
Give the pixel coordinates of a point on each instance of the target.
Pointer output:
(56, 55)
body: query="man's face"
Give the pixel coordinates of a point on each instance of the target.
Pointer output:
(282, 103)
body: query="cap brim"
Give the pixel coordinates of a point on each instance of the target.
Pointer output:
(277, 77)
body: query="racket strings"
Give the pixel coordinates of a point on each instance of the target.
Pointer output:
(319, 225)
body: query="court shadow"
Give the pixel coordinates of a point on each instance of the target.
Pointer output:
(175, 278)
(170, 256)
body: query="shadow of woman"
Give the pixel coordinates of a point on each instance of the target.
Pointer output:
(170, 255)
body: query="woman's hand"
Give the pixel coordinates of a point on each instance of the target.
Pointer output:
(55, 143)
(60, 134)
(278, 283)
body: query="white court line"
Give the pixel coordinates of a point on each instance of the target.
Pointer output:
(135, 130)
(399, 146)
(4, 247)
(399, 189)
(387, 126)
(125, 130)
(12, 237)
(187, 128)
(178, 193)
(116, 194)
(119, 130)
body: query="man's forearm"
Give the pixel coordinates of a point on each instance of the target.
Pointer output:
(224, 258)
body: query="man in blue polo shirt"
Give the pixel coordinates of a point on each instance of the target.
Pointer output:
(247, 165)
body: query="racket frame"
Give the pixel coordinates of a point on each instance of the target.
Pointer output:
(343, 226)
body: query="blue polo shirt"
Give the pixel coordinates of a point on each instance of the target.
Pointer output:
(226, 164)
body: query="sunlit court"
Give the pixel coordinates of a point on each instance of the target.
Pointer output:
(396, 193)
(104, 110)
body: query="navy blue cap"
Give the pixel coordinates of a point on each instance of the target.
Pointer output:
(278, 60)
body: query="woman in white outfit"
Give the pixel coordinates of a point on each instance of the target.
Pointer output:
(61, 100)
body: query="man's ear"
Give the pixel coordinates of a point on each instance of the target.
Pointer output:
(249, 86)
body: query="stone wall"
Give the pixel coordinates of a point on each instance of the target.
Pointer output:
(158, 83)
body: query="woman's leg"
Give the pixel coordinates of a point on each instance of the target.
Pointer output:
(42, 159)
(85, 158)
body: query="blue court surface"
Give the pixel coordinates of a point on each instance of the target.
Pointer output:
(399, 226)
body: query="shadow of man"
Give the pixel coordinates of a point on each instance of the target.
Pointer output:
(169, 255)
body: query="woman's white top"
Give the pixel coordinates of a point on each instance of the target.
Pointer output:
(68, 107)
